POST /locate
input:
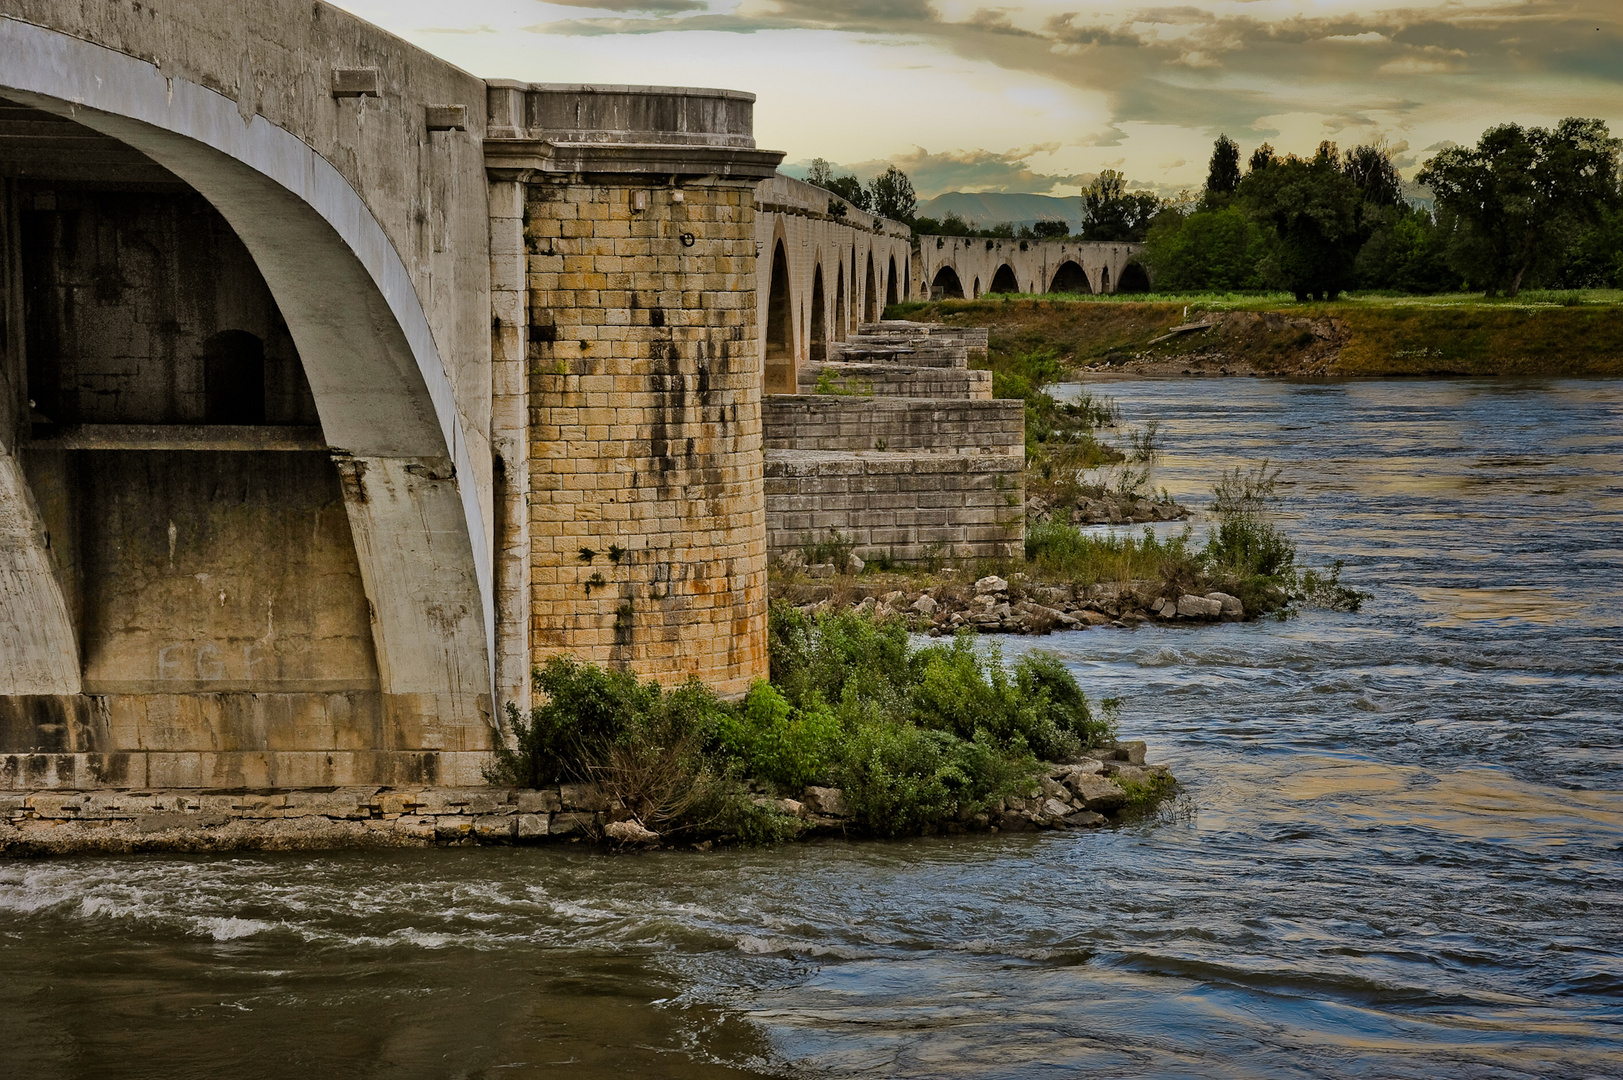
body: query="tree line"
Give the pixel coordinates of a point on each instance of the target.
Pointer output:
(1526, 206)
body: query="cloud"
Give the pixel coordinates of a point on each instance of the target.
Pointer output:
(662, 7)
(966, 170)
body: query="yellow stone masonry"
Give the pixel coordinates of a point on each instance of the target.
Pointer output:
(647, 511)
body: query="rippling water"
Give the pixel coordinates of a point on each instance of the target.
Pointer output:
(1398, 850)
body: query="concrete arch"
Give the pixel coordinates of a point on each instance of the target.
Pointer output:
(1070, 278)
(779, 373)
(890, 283)
(975, 291)
(840, 318)
(870, 294)
(946, 280)
(1004, 281)
(819, 316)
(1134, 279)
(386, 402)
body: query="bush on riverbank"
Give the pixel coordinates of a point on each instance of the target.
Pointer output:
(1245, 554)
(915, 737)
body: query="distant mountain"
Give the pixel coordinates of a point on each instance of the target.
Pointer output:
(985, 209)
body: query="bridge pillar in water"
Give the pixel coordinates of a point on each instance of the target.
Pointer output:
(643, 542)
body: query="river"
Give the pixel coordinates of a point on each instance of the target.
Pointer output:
(1397, 850)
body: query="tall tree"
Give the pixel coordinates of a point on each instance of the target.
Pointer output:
(850, 189)
(1371, 168)
(1521, 193)
(1223, 176)
(1262, 157)
(1313, 209)
(891, 195)
(1111, 212)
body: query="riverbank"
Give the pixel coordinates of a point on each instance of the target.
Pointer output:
(1537, 335)
(1088, 791)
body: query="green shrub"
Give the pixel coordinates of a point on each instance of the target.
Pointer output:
(772, 742)
(901, 779)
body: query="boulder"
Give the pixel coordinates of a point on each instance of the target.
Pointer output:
(1098, 793)
(828, 801)
(1085, 819)
(1191, 606)
(1093, 618)
(630, 832)
(1053, 810)
(893, 601)
(854, 565)
(792, 560)
(989, 585)
(925, 606)
(1231, 605)
(1134, 750)
(868, 606)
(820, 570)
(589, 797)
(792, 807)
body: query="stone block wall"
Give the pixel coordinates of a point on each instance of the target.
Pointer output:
(898, 380)
(833, 422)
(913, 506)
(646, 519)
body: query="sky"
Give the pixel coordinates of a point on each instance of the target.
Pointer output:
(1040, 96)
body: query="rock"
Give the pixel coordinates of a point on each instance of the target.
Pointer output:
(1135, 751)
(1098, 793)
(630, 832)
(820, 570)
(825, 800)
(572, 824)
(533, 826)
(544, 801)
(588, 797)
(1231, 605)
(1001, 611)
(868, 606)
(1064, 619)
(892, 601)
(925, 606)
(1085, 819)
(1054, 810)
(792, 560)
(792, 807)
(496, 827)
(1198, 607)
(989, 585)
(1093, 618)
(854, 565)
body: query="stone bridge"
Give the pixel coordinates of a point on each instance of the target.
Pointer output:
(339, 387)
(968, 267)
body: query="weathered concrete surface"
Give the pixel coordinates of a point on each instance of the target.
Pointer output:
(969, 267)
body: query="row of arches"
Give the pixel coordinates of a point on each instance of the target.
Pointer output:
(779, 332)
(1068, 278)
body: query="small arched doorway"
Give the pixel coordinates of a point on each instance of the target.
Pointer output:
(946, 285)
(1134, 278)
(977, 290)
(819, 320)
(1070, 278)
(890, 283)
(870, 295)
(779, 373)
(1004, 280)
(1104, 280)
(839, 304)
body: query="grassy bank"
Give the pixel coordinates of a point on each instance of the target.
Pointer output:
(1536, 334)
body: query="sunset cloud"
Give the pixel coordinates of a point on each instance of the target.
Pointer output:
(1153, 83)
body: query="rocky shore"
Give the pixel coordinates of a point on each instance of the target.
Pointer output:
(1104, 507)
(1085, 792)
(995, 605)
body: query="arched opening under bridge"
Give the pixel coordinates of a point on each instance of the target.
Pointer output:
(839, 304)
(946, 285)
(1134, 279)
(819, 320)
(1004, 280)
(1070, 278)
(780, 358)
(870, 295)
(890, 283)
